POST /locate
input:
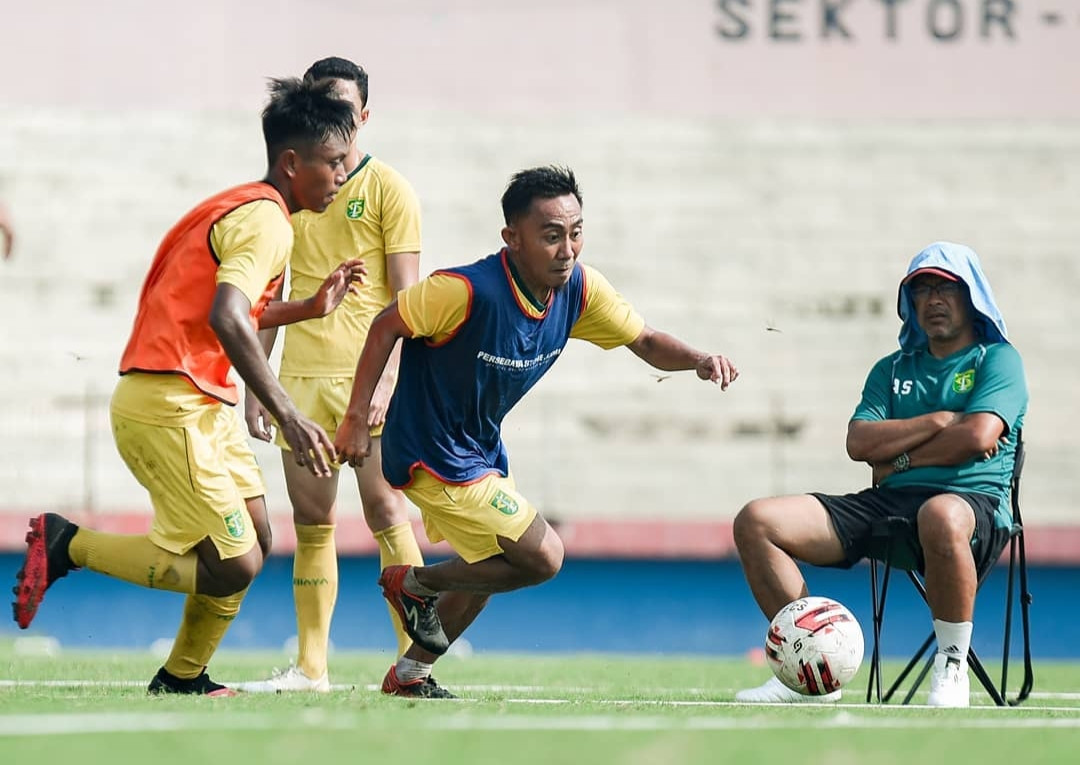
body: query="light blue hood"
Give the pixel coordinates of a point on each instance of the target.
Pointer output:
(962, 262)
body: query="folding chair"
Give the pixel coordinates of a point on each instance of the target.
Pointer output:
(902, 550)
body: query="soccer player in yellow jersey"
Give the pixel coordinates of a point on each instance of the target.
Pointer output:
(376, 217)
(476, 339)
(173, 420)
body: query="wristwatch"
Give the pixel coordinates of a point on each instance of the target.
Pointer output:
(901, 463)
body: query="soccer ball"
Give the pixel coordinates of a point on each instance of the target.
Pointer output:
(814, 646)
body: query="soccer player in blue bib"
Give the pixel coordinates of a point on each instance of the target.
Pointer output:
(476, 339)
(938, 423)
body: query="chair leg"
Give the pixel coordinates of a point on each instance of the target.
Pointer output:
(878, 607)
(1025, 606)
(980, 672)
(1006, 641)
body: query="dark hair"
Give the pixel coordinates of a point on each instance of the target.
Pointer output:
(304, 113)
(337, 68)
(537, 183)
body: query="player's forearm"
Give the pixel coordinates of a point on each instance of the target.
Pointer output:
(666, 352)
(972, 437)
(883, 440)
(230, 320)
(393, 362)
(380, 344)
(267, 338)
(281, 312)
(249, 359)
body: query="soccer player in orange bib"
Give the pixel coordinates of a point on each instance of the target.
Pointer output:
(476, 339)
(173, 415)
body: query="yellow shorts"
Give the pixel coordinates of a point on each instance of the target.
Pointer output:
(198, 475)
(473, 516)
(323, 399)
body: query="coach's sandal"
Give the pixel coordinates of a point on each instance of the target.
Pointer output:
(46, 561)
(201, 685)
(775, 692)
(949, 683)
(285, 681)
(421, 688)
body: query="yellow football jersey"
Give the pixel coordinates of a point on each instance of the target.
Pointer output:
(375, 215)
(437, 306)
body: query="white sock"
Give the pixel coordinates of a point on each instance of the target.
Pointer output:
(408, 670)
(413, 586)
(953, 639)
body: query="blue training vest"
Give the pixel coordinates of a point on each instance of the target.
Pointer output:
(450, 400)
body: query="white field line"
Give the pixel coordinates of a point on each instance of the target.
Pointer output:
(142, 722)
(701, 703)
(859, 693)
(496, 688)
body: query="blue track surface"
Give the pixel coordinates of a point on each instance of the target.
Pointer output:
(663, 607)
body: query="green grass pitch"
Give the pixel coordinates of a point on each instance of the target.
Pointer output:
(89, 708)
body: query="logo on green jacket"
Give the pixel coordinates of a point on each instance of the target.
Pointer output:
(963, 381)
(504, 503)
(234, 524)
(354, 209)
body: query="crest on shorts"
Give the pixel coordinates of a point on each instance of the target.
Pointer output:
(504, 503)
(963, 382)
(354, 209)
(234, 524)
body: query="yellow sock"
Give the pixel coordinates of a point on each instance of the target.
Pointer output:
(134, 559)
(398, 547)
(205, 621)
(315, 587)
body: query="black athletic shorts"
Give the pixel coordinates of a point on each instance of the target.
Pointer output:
(853, 516)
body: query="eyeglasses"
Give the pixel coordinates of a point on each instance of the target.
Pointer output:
(942, 289)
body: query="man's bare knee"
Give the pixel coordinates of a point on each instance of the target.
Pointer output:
(945, 524)
(537, 555)
(240, 573)
(384, 510)
(549, 560)
(748, 526)
(220, 578)
(313, 500)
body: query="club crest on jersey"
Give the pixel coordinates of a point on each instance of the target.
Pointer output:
(354, 209)
(504, 503)
(234, 524)
(963, 381)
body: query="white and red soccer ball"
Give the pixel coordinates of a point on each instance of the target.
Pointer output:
(814, 645)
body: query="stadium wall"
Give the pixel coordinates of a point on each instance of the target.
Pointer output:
(755, 180)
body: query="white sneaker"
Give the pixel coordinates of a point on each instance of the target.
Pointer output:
(283, 681)
(949, 683)
(775, 692)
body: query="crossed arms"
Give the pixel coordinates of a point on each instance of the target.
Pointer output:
(933, 439)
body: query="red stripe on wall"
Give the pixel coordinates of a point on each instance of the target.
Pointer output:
(705, 540)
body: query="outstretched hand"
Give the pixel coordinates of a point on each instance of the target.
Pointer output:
(341, 281)
(718, 369)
